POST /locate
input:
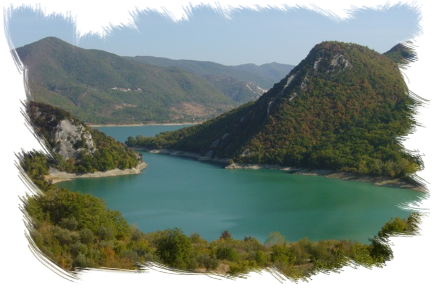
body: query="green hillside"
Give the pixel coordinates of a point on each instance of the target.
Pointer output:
(241, 83)
(342, 108)
(261, 75)
(25, 89)
(75, 147)
(100, 87)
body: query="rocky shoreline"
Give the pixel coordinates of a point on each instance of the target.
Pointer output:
(379, 181)
(57, 176)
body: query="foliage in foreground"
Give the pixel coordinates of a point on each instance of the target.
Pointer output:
(76, 230)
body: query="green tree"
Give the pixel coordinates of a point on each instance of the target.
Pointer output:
(174, 248)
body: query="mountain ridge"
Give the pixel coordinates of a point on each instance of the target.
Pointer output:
(340, 109)
(100, 87)
(245, 76)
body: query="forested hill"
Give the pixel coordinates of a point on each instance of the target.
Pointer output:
(262, 75)
(342, 108)
(99, 87)
(402, 53)
(242, 83)
(76, 147)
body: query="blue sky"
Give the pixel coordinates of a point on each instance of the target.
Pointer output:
(264, 36)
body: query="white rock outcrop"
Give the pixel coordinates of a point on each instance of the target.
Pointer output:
(67, 134)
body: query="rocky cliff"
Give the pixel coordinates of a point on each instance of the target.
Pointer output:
(63, 134)
(76, 148)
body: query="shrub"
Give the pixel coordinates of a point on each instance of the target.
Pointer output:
(86, 236)
(174, 248)
(260, 258)
(32, 222)
(227, 253)
(69, 223)
(105, 233)
(64, 236)
(84, 264)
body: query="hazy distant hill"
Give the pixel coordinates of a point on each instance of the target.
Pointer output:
(242, 83)
(100, 87)
(341, 108)
(413, 52)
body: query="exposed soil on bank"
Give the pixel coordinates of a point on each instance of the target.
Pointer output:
(57, 176)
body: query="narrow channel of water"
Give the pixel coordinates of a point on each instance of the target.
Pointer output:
(205, 198)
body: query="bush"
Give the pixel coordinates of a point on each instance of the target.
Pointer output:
(32, 222)
(78, 248)
(86, 236)
(69, 223)
(37, 238)
(260, 258)
(174, 248)
(227, 253)
(64, 236)
(84, 264)
(210, 263)
(105, 233)
(281, 254)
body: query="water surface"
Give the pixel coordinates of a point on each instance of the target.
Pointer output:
(205, 198)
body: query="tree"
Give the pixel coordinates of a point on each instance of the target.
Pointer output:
(275, 238)
(174, 248)
(226, 235)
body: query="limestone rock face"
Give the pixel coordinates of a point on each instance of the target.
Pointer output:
(68, 137)
(71, 139)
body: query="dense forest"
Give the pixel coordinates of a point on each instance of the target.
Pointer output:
(344, 107)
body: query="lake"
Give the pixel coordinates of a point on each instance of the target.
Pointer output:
(205, 198)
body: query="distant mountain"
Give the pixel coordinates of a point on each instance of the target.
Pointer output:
(342, 108)
(413, 52)
(242, 83)
(99, 87)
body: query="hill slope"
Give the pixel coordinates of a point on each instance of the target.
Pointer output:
(75, 147)
(100, 87)
(341, 108)
(242, 83)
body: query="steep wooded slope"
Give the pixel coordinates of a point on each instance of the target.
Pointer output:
(342, 108)
(99, 87)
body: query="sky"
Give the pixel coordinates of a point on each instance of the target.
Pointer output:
(244, 35)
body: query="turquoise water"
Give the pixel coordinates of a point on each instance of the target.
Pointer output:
(205, 198)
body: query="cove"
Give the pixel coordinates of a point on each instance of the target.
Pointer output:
(205, 198)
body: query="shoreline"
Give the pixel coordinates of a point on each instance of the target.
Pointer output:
(141, 124)
(184, 154)
(378, 181)
(57, 176)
